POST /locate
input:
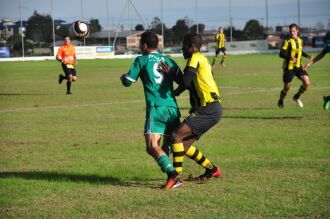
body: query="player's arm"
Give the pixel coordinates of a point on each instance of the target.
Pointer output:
(58, 55)
(305, 55)
(75, 58)
(174, 71)
(132, 75)
(189, 71)
(178, 78)
(315, 59)
(188, 75)
(284, 50)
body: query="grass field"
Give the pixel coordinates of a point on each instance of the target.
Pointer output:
(84, 155)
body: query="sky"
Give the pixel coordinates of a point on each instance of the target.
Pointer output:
(212, 13)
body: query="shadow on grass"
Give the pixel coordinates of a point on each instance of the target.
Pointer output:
(265, 117)
(78, 178)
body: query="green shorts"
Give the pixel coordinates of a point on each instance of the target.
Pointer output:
(161, 120)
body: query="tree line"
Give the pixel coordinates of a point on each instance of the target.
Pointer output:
(39, 31)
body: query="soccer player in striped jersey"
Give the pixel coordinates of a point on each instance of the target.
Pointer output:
(326, 49)
(205, 113)
(162, 113)
(67, 56)
(220, 47)
(291, 52)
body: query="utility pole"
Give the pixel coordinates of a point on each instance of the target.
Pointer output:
(231, 22)
(20, 17)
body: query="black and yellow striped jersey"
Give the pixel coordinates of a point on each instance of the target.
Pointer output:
(204, 89)
(292, 48)
(220, 40)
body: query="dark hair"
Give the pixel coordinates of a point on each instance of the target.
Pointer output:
(294, 25)
(193, 39)
(149, 38)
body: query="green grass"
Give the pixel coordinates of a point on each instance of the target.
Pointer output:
(84, 155)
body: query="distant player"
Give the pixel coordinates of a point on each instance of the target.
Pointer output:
(326, 49)
(205, 113)
(220, 47)
(291, 52)
(162, 113)
(67, 56)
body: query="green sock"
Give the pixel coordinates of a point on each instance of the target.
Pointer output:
(165, 164)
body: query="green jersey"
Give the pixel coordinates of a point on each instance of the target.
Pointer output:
(158, 86)
(326, 48)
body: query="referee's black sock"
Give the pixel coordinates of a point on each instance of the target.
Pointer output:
(68, 86)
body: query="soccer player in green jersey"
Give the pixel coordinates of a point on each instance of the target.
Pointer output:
(205, 113)
(326, 49)
(292, 52)
(162, 113)
(220, 47)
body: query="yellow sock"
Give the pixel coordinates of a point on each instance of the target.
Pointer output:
(194, 154)
(178, 155)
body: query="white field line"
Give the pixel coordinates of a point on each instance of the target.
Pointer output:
(241, 91)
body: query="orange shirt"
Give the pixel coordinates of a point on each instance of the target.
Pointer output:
(67, 54)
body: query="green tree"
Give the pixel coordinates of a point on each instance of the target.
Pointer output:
(62, 32)
(253, 30)
(193, 28)
(94, 25)
(139, 27)
(180, 29)
(39, 28)
(156, 25)
(236, 34)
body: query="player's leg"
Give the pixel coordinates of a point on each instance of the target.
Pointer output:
(217, 51)
(305, 83)
(154, 150)
(68, 84)
(155, 126)
(287, 78)
(62, 77)
(223, 57)
(182, 133)
(178, 154)
(207, 117)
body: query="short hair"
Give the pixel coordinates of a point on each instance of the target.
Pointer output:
(193, 39)
(294, 25)
(149, 38)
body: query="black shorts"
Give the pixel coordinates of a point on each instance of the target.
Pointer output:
(289, 74)
(205, 118)
(218, 50)
(69, 71)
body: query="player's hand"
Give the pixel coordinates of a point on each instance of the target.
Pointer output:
(306, 66)
(164, 67)
(294, 60)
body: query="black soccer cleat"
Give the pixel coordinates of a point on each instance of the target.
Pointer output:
(280, 104)
(209, 173)
(68, 93)
(60, 79)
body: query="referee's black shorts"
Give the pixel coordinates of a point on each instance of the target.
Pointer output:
(69, 71)
(288, 75)
(204, 118)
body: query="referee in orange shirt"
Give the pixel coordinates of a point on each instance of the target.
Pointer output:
(67, 56)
